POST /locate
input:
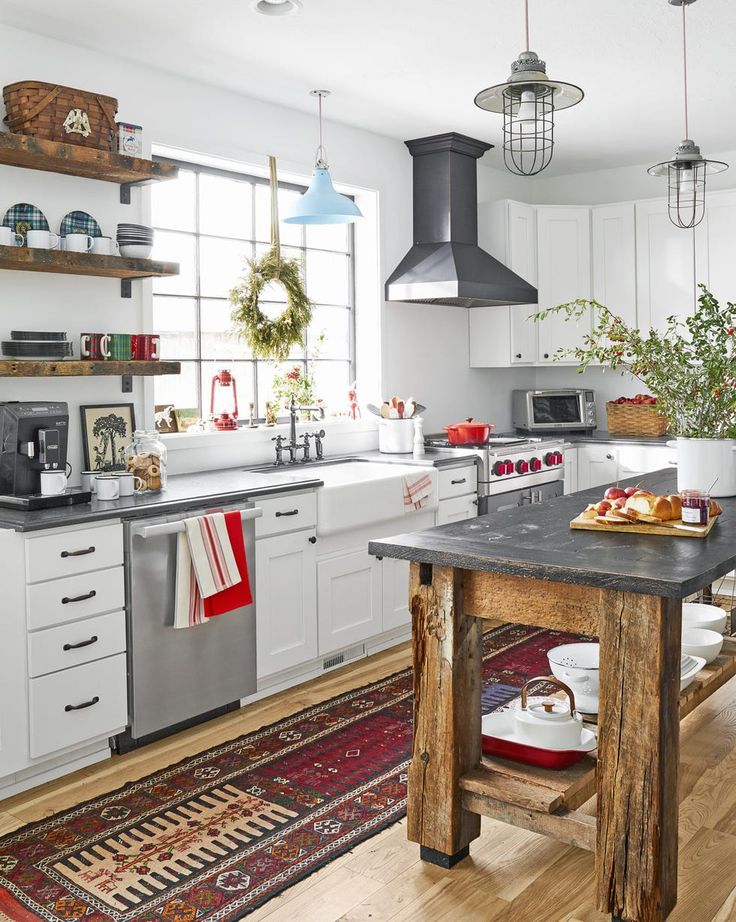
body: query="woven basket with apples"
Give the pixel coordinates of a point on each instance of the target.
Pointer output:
(635, 416)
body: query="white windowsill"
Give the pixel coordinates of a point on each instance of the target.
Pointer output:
(176, 441)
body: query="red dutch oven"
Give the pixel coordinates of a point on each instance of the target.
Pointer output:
(469, 432)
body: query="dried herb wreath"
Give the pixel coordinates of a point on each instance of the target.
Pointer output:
(271, 338)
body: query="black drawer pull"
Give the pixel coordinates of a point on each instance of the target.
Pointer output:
(79, 598)
(81, 707)
(292, 512)
(82, 553)
(82, 643)
(312, 539)
(455, 482)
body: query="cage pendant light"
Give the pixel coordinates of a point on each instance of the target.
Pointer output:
(528, 101)
(687, 172)
(320, 204)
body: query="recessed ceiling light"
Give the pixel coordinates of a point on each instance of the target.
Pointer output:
(276, 7)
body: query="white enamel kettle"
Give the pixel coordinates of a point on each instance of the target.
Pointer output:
(548, 723)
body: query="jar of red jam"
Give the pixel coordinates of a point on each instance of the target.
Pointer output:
(695, 507)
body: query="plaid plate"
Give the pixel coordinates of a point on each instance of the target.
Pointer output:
(79, 222)
(24, 217)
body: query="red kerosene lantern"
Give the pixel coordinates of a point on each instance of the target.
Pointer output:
(224, 412)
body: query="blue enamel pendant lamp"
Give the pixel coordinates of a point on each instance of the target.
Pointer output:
(320, 204)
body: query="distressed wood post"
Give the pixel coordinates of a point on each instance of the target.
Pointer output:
(638, 756)
(448, 653)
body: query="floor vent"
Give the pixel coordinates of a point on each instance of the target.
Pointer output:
(344, 656)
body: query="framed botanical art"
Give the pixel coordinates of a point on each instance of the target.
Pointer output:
(107, 430)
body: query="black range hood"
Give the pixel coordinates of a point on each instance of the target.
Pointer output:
(446, 265)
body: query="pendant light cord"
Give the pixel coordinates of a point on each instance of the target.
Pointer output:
(526, 22)
(321, 152)
(684, 67)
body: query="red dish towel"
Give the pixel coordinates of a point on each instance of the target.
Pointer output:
(240, 594)
(417, 491)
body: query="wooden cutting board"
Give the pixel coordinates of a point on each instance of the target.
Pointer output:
(669, 529)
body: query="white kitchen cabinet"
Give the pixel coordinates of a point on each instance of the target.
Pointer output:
(13, 670)
(716, 267)
(597, 465)
(349, 599)
(395, 575)
(614, 258)
(666, 256)
(571, 470)
(563, 261)
(286, 601)
(637, 460)
(457, 509)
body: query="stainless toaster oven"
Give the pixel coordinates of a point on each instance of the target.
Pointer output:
(546, 410)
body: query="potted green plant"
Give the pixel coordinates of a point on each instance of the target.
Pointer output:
(689, 366)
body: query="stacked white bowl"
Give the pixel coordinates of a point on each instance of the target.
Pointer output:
(135, 240)
(702, 630)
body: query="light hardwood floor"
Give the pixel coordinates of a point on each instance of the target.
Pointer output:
(511, 875)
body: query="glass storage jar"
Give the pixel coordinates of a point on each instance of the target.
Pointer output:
(695, 507)
(146, 458)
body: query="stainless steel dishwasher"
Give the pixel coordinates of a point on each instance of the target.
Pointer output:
(177, 678)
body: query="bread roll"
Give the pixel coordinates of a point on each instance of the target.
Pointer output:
(676, 504)
(658, 508)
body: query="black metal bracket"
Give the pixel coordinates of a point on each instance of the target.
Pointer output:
(126, 288)
(125, 193)
(425, 574)
(432, 856)
(127, 384)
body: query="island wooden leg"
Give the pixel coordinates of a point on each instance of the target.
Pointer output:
(638, 756)
(448, 653)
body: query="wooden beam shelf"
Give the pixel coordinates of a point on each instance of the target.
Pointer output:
(118, 267)
(29, 368)
(73, 160)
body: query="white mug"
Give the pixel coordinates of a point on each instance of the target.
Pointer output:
(8, 237)
(53, 483)
(130, 484)
(88, 480)
(105, 246)
(78, 243)
(41, 239)
(107, 487)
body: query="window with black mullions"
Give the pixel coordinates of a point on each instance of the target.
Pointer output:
(209, 220)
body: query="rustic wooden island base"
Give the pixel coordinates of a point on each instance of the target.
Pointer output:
(629, 595)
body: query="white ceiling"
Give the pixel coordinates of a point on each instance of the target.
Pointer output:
(406, 68)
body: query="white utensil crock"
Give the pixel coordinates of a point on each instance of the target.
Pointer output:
(706, 464)
(396, 436)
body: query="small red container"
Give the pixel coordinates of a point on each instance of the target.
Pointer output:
(469, 432)
(530, 755)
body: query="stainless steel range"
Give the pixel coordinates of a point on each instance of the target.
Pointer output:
(513, 470)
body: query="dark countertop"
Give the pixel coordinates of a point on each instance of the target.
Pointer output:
(537, 542)
(187, 491)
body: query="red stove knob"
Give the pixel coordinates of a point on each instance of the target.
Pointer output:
(509, 465)
(522, 467)
(560, 457)
(535, 464)
(499, 468)
(550, 459)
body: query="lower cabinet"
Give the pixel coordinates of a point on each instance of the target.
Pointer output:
(457, 509)
(571, 470)
(395, 593)
(609, 462)
(597, 464)
(286, 609)
(349, 599)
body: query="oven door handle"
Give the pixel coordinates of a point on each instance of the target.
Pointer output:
(175, 528)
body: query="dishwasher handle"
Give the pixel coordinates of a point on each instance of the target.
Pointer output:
(175, 528)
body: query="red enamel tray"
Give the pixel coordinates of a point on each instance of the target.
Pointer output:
(497, 740)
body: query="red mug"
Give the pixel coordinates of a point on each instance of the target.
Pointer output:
(94, 346)
(145, 347)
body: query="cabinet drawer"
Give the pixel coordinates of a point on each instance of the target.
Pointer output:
(64, 554)
(73, 644)
(286, 513)
(62, 600)
(79, 704)
(457, 509)
(456, 481)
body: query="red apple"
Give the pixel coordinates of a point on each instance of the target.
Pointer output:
(614, 493)
(602, 507)
(619, 503)
(630, 491)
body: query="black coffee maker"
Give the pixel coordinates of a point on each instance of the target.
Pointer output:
(33, 438)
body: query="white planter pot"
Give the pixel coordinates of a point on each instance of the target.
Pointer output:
(706, 464)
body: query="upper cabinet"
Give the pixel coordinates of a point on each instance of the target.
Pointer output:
(716, 266)
(563, 260)
(614, 258)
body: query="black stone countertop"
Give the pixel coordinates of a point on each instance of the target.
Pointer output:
(187, 491)
(537, 542)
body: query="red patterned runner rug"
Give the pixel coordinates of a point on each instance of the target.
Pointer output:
(215, 836)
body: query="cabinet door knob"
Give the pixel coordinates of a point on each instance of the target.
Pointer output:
(518, 355)
(312, 539)
(378, 557)
(609, 457)
(546, 355)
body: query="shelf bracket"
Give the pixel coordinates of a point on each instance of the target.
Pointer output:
(126, 288)
(125, 193)
(127, 384)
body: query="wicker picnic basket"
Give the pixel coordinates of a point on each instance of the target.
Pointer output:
(60, 113)
(635, 419)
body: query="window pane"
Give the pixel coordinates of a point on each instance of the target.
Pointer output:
(178, 248)
(175, 319)
(291, 234)
(222, 263)
(328, 277)
(243, 374)
(218, 339)
(178, 390)
(274, 291)
(225, 207)
(334, 324)
(266, 373)
(332, 380)
(328, 236)
(173, 202)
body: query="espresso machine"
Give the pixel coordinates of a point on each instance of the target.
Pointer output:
(33, 438)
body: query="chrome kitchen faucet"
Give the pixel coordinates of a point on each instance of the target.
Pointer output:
(293, 446)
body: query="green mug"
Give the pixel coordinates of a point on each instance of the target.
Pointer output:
(120, 347)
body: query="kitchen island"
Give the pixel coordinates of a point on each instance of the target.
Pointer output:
(527, 565)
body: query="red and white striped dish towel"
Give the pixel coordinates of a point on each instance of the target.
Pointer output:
(205, 565)
(417, 491)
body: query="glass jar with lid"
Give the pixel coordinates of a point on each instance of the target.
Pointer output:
(146, 458)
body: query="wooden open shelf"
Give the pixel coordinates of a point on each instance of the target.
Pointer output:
(546, 801)
(73, 160)
(118, 267)
(70, 368)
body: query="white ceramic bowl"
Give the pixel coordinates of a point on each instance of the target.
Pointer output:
(708, 617)
(576, 664)
(699, 642)
(135, 250)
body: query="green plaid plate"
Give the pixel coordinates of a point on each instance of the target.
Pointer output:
(79, 222)
(24, 217)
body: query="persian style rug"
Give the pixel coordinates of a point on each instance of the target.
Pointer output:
(218, 834)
